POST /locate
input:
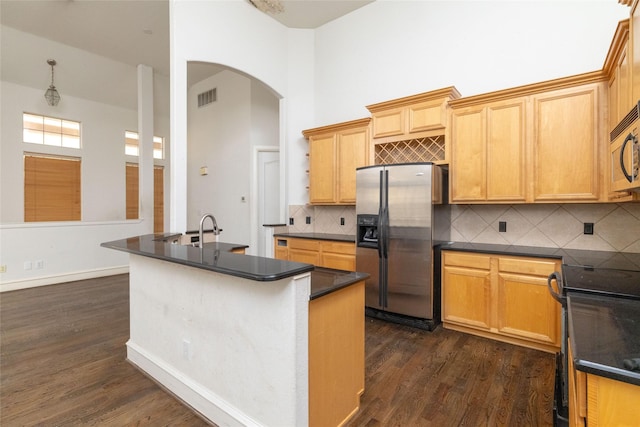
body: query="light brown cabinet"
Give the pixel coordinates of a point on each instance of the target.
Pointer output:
(599, 401)
(568, 144)
(514, 146)
(501, 297)
(617, 65)
(634, 49)
(334, 154)
(336, 355)
(323, 253)
(489, 152)
(412, 129)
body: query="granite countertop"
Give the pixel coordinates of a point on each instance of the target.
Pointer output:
(326, 280)
(217, 256)
(604, 332)
(320, 236)
(597, 259)
(214, 256)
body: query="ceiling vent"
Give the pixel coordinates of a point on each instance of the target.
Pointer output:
(206, 98)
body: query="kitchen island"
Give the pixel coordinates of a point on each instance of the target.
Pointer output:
(246, 340)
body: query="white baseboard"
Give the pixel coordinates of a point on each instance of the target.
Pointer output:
(204, 401)
(62, 278)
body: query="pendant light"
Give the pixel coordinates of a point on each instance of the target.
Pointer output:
(51, 95)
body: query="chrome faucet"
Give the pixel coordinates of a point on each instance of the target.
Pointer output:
(216, 231)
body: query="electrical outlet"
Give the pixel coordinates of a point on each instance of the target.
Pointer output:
(28, 265)
(588, 228)
(502, 226)
(290, 221)
(308, 219)
(39, 264)
(341, 221)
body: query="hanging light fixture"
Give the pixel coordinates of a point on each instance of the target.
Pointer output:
(51, 95)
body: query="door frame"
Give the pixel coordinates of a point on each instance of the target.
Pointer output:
(253, 211)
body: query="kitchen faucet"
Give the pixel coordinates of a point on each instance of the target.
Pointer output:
(216, 231)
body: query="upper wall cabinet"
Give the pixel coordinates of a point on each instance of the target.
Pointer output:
(335, 152)
(412, 129)
(539, 143)
(618, 68)
(634, 49)
(622, 66)
(489, 152)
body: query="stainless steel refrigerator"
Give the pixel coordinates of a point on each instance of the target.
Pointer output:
(402, 214)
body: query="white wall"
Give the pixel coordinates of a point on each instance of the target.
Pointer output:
(392, 48)
(67, 251)
(221, 136)
(217, 32)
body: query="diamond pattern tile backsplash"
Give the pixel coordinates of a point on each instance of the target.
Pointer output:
(324, 219)
(616, 226)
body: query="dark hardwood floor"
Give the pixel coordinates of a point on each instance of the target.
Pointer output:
(62, 362)
(448, 378)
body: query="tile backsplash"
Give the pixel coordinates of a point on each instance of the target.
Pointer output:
(324, 219)
(616, 226)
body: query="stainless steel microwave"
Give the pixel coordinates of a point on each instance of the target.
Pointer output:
(625, 153)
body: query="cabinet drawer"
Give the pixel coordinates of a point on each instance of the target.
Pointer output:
(462, 259)
(339, 247)
(311, 245)
(536, 267)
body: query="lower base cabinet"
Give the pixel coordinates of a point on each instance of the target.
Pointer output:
(323, 253)
(599, 401)
(501, 297)
(336, 356)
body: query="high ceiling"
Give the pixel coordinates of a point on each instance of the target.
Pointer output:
(137, 31)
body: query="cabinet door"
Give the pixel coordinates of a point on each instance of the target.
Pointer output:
(620, 100)
(338, 261)
(526, 310)
(352, 154)
(388, 123)
(426, 116)
(634, 49)
(468, 155)
(611, 402)
(506, 169)
(339, 255)
(525, 307)
(304, 255)
(565, 146)
(466, 296)
(322, 161)
(304, 250)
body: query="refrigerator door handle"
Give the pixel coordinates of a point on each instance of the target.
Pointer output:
(380, 216)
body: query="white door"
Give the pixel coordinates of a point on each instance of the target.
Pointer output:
(268, 195)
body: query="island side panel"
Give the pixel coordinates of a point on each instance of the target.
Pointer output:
(336, 356)
(236, 350)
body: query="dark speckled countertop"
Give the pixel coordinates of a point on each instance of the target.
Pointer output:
(325, 280)
(217, 256)
(320, 236)
(604, 331)
(596, 259)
